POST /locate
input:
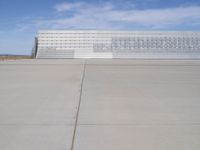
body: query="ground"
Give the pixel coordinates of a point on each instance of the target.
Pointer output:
(14, 57)
(99, 104)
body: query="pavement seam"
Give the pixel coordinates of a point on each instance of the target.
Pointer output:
(142, 124)
(35, 124)
(79, 104)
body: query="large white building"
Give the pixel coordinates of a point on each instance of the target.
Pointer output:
(117, 44)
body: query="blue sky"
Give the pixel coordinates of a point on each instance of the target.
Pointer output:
(21, 19)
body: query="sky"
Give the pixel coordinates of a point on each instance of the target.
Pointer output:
(20, 20)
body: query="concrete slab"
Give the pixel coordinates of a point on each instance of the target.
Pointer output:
(140, 94)
(146, 62)
(43, 62)
(148, 105)
(125, 104)
(39, 94)
(94, 137)
(38, 104)
(45, 137)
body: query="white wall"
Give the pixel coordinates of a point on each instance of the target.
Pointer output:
(117, 44)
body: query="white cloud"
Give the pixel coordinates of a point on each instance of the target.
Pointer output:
(107, 15)
(157, 16)
(68, 6)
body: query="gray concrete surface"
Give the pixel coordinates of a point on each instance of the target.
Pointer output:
(100, 104)
(38, 104)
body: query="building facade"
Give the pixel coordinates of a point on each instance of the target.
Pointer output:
(117, 44)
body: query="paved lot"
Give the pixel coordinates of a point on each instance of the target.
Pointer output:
(100, 104)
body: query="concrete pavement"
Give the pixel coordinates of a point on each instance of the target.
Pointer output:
(38, 104)
(99, 104)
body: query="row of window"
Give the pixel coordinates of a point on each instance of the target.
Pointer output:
(122, 47)
(118, 33)
(119, 40)
(123, 44)
(107, 41)
(132, 43)
(113, 37)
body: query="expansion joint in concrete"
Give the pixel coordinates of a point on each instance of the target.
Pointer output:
(79, 104)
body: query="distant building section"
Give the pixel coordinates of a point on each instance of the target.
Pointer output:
(116, 44)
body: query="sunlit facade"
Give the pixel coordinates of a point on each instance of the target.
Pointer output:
(117, 44)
